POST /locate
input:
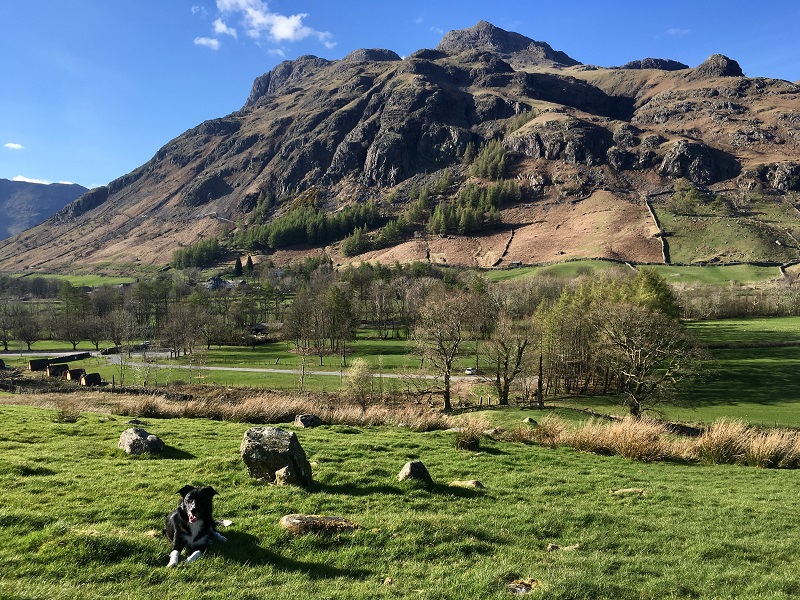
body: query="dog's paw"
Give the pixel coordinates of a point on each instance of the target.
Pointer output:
(194, 556)
(173, 558)
(219, 537)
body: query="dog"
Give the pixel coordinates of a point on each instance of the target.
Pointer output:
(191, 526)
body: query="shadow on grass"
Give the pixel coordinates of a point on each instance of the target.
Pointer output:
(354, 489)
(244, 548)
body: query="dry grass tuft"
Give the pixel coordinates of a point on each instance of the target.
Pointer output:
(470, 431)
(722, 443)
(772, 449)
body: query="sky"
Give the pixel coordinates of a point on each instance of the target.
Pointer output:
(91, 89)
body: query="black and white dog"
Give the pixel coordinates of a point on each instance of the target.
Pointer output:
(191, 525)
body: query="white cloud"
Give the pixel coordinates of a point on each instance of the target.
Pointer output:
(29, 180)
(220, 28)
(199, 10)
(13, 146)
(258, 21)
(676, 31)
(207, 42)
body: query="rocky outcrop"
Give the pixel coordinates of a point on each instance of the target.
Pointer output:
(289, 71)
(568, 139)
(698, 163)
(371, 54)
(716, 65)
(485, 36)
(662, 64)
(88, 201)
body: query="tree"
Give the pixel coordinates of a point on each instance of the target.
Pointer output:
(6, 324)
(507, 349)
(440, 331)
(237, 267)
(26, 324)
(647, 351)
(358, 385)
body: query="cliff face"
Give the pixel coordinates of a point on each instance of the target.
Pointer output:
(371, 124)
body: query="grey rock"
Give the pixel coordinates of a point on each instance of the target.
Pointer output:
(662, 64)
(416, 470)
(308, 421)
(716, 65)
(267, 450)
(137, 441)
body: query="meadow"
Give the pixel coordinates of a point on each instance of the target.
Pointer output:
(80, 519)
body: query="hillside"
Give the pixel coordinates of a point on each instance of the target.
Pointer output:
(24, 204)
(588, 147)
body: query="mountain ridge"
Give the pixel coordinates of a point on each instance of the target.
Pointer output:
(374, 126)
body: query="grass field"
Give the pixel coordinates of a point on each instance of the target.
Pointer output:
(82, 520)
(91, 281)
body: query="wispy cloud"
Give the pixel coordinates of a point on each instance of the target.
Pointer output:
(199, 10)
(678, 31)
(220, 28)
(207, 42)
(13, 146)
(29, 180)
(259, 22)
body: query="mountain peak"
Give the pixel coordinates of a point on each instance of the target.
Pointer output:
(487, 37)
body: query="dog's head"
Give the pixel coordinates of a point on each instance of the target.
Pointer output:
(197, 501)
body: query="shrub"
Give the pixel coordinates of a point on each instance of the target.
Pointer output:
(549, 432)
(638, 439)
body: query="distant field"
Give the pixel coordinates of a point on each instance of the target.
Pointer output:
(85, 280)
(695, 275)
(565, 269)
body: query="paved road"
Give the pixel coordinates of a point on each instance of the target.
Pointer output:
(114, 359)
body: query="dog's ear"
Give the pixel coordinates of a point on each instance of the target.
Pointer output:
(185, 490)
(211, 491)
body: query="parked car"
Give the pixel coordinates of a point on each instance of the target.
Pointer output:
(470, 371)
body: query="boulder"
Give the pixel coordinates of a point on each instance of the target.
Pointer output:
(308, 421)
(415, 470)
(318, 524)
(135, 440)
(469, 483)
(267, 450)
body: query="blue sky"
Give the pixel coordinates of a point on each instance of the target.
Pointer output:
(91, 89)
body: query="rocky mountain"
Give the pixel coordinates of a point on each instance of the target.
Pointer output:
(594, 152)
(24, 204)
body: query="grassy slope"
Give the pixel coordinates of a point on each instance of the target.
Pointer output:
(80, 519)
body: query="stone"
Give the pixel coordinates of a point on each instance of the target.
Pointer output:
(308, 421)
(135, 440)
(298, 524)
(415, 469)
(267, 450)
(529, 421)
(469, 484)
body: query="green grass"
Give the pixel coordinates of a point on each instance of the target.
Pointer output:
(717, 274)
(81, 520)
(565, 270)
(733, 238)
(91, 281)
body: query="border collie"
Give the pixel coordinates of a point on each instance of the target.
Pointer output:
(191, 525)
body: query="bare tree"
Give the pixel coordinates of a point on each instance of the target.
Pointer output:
(440, 331)
(507, 349)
